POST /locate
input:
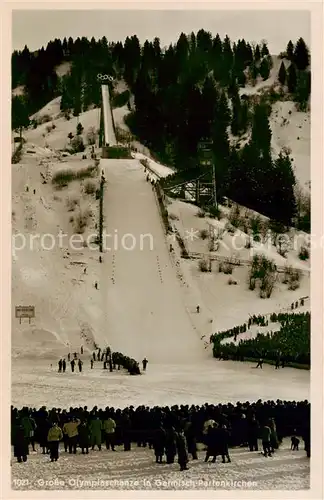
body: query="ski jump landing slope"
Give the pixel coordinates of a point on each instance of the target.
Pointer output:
(144, 312)
(107, 117)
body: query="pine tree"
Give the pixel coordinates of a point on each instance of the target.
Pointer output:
(283, 183)
(261, 131)
(290, 51)
(19, 114)
(182, 49)
(204, 41)
(217, 46)
(157, 50)
(249, 54)
(192, 43)
(257, 55)
(77, 104)
(236, 115)
(303, 89)
(253, 71)
(79, 128)
(301, 55)
(241, 79)
(265, 68)
(282, 75)
(227, 61)
(264, 50)
(292, 78)
(244, 117)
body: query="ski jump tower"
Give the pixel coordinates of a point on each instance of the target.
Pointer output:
(109, 138)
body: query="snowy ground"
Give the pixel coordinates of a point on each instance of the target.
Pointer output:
(136, 470)
(35, 383)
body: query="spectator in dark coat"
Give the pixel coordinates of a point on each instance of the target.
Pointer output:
(274, 443)
(20, 443)
(182, 450)
(306, 438)
(126, 431)
(191, 437)
(159, 444)
(211, 440)
(252, 433)
(223, 441)
(84, 437)
(266, 433)
(170, 445)
(42, 435)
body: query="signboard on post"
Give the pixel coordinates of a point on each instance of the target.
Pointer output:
(25, 312)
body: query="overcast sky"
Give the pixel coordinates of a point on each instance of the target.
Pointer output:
(35, 28)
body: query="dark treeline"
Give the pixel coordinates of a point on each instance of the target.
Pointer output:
(183, 94)
(290, 345)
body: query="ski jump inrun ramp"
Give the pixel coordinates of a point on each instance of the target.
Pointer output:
(109, 132)
(144, 312)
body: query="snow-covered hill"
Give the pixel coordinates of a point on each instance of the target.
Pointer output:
(140, 306)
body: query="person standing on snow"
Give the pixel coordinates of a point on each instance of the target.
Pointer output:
(110, 363)
(54, 437)
(170, 445)
(190, 435)
(91, 363)
(95, 428)
(84, 437)
(212, 442)
(159, 444)
(223, 436)
(72, 365)
(182, 450)
(20, 443)
(71, 429)
(266, 433)
(60, 366)
(29, 426)
(80, 363)
(109, 427)
(274, 441)
(64, 365)
(252, 433)
(144, 362)
(260, 363)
